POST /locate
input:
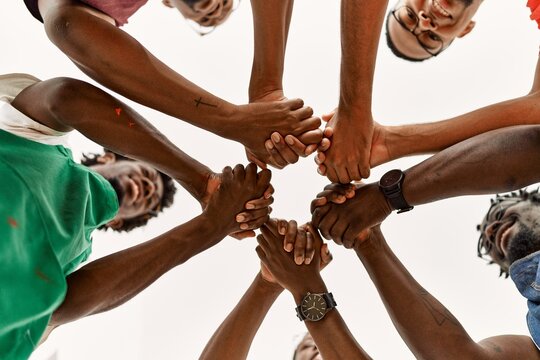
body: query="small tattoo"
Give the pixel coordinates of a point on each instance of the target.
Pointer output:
(440, 316)
(11, 221)
(118, 111)
(200, 102)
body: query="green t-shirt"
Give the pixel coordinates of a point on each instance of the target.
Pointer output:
(49, 206)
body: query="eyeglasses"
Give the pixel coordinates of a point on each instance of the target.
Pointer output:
(203, 30)
(428, 40)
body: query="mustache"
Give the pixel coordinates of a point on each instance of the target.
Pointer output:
(118, 189)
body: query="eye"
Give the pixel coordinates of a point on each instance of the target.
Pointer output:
(434, 36)
(411, 14)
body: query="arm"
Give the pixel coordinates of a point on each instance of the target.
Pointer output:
(116, 60)
(331, 334)
(111, 281)
(352, 124)
(497, 161)
(426, 326)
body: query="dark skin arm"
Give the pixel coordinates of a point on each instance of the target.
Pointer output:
(498, 161)
(111, 281)
(116, 60)
(111, 123)
(427, 327)
(331, 334)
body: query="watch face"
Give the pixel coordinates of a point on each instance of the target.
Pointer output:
(391, 178)
(313, 307)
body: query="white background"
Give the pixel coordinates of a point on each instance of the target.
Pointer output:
(175, 317)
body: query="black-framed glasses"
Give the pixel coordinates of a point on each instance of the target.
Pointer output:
(428, 40)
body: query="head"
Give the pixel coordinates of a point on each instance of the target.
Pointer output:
(307, 349)
(417, 30)
(206, 13)
(511, 228)
(142, 191)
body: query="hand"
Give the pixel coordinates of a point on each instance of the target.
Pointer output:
(334, 193)
(345, 222)
(237, 188)
(277, 132)
(253, 207)
(379, 154)
(347, 159)
(281, 265)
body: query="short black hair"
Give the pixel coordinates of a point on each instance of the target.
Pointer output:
(393, 47)
(522, 195)
(169, 189)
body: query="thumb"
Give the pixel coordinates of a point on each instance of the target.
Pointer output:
(326, 256)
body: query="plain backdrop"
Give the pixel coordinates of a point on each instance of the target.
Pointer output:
(175, 316)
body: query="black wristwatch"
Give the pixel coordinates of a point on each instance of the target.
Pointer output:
(314, 306)
(391, 186)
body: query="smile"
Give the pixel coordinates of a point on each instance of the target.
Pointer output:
(440, 10)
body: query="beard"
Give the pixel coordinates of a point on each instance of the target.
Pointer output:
(118, 189)
(524, 243)
(466, 3)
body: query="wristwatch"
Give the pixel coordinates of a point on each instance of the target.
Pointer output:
(391, 186)
(314, 306)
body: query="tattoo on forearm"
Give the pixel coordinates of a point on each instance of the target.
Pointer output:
(440, 314)
(200, 102)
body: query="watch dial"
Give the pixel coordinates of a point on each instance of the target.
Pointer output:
(390, 178)
(313, 307)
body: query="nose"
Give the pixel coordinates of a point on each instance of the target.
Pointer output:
(425, 22)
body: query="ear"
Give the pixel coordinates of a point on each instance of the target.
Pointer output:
(467, 29)
(106, 158)
(116, 223)
(167, 3)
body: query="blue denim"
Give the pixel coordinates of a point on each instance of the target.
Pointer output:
(525, 273)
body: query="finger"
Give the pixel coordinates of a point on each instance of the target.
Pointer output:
(343, 175)
(259, 203)
(325, 144)
(272, 225)
(255, 224)
(320, 158)
(296, 145)
(269, 190)
(310, 149)
(319, 201)
(252, 158)
(305, 114)
(270, 238)
(327, 117)
(241, 235)
(247, 216)
(251, 174)
(337, 231)
(294, 104)
(283, 148)
(310, 249)
(282, 226)
(300, 247)
(308, 124)
(239, 172)
(277, 160)
(262, 255)
(353, 171)
(326, 225)
(350, 234)
(318, 214)
(328, 132)
(364, 171)
(290, 236)
(331, 174)
(263, 181)
(227, 174)
(311, 137)
(263, 242)
(326, 256)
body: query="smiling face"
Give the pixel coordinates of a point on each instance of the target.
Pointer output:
(510, 231)
(419, 29)
(307, 349)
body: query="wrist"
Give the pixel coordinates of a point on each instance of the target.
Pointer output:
(313, 286)
(268, 287)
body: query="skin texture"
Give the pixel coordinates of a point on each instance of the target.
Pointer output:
(427, 327)
(235, 335)
(454, 171)
(331, 334)
(111, 281)
(148, 81)
(113, 124)
(446, 28)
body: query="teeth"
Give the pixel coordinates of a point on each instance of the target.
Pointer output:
(440, 8)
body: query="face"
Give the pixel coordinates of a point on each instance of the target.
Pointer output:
(307, 350)
(511, 231)
(422, 28)
(207, 13)
(139, 186)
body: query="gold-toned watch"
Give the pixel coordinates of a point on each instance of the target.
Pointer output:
(314, 307)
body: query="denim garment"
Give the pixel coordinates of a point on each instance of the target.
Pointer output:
(526, 275)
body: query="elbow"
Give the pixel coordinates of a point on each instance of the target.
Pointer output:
(61, 99)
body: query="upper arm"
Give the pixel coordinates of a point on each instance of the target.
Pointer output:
(509, 347)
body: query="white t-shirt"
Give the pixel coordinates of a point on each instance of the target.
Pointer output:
(17, 123)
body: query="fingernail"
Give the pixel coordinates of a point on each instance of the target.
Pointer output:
(308, 261)
(320, 172)
(275, 137)
(270, 145)
(327, 251)
(299, 260)
(240, 218)
(282, 231)
(250, 206)
(267, 196)
(244, 226)
(289, 140)
(288, 247)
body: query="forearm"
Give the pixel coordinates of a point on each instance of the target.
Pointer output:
(497, 161)
(427, 327)
(111, 123)
(235, 335)
(271, 19)
(331, 334)
(361, 23)
(432, 137)
(118, 61)
(111, 281)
